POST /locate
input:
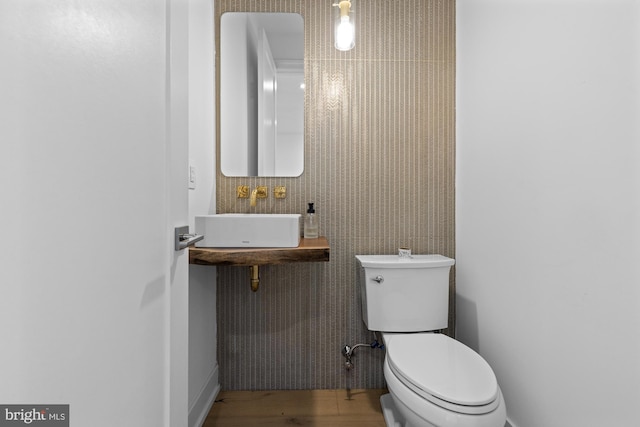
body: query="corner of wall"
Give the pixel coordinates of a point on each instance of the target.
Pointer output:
(204, 381)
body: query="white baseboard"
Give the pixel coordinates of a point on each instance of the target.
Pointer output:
(202, 405)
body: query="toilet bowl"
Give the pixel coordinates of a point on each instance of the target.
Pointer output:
(434, 380)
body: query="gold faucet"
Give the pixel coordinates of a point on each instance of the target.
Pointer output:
(260, 192)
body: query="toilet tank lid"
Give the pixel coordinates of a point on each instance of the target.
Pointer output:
(394, 261)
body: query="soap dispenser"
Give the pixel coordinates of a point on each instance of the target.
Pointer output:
(311, 223)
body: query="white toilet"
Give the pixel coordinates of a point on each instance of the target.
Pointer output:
(433, 380)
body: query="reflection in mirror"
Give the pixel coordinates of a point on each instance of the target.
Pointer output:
(261, 94)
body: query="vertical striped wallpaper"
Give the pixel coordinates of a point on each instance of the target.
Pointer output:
(379, 164)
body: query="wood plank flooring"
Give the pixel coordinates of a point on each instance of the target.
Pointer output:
(317, 408)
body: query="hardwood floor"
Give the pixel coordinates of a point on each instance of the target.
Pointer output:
(317, 408)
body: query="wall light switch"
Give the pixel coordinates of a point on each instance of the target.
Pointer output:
(192, 177)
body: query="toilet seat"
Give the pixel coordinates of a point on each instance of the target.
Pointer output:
(443, 371)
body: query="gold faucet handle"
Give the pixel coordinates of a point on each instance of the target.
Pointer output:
(242, 191)
(280, 192)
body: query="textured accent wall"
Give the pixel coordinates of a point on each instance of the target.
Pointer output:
(379, 164)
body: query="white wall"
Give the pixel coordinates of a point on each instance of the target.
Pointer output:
(203, 366)
(176, 394)
(548, 205)
(92, 182)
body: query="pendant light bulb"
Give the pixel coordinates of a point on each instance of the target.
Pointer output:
(345, 32)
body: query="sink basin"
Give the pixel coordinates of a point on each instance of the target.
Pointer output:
(235, 230)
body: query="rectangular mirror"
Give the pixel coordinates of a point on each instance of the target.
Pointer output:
(261, 94)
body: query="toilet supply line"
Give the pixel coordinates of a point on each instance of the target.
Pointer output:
(347, 350)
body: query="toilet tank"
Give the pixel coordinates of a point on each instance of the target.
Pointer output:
(404, 295)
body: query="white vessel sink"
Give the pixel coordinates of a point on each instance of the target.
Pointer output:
(235, 230)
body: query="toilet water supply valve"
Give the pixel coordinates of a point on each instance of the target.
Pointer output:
(347, 351)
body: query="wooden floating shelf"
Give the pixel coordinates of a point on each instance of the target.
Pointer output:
(309, 250)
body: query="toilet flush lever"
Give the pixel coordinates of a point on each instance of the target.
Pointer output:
(378, 279)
